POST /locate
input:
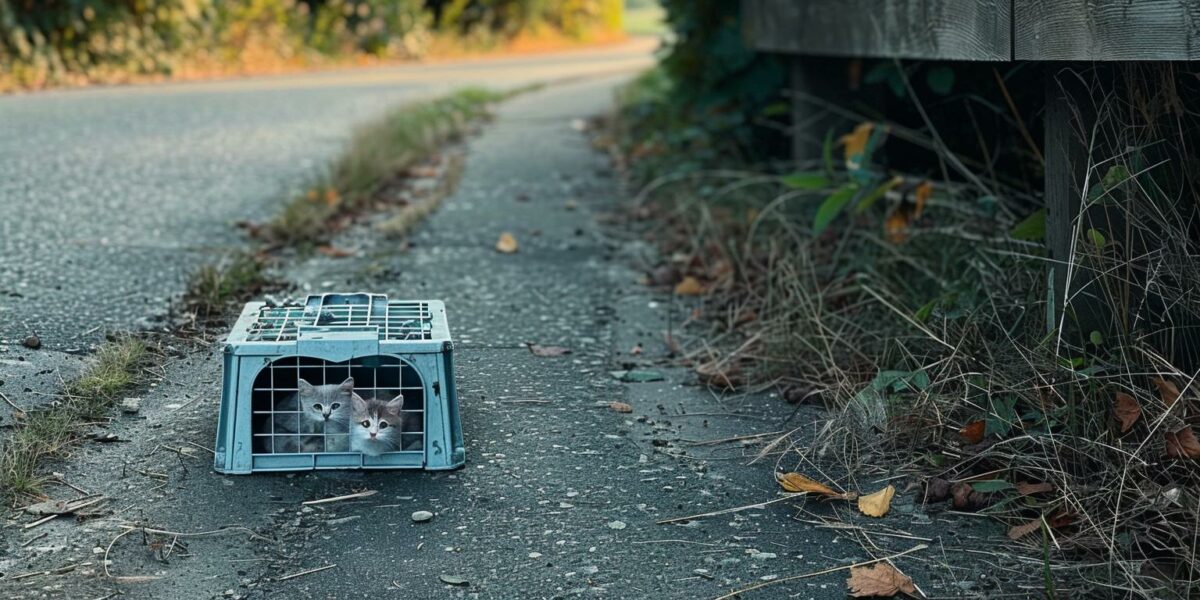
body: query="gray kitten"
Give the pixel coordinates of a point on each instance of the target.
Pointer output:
(324, 410)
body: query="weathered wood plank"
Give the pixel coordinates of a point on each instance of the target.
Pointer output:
(923, 29)
(1103, 30)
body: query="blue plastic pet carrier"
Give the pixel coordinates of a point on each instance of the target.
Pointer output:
(275, 355)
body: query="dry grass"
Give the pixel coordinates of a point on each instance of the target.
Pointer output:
(913, 343)
(48, 433)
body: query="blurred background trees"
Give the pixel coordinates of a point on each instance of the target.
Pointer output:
(55, 42)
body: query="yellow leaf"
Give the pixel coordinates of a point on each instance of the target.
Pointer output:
(796, 483)
(880, 580)
(507, 243)
(877, 504)
(856, 142)
(690, 286)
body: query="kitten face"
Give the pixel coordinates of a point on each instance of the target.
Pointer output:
(323, 404)
(375, 425)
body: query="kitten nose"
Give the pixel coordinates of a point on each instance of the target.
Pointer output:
(373, 434)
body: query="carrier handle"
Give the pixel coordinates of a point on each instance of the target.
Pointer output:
(337, 343)
(377, 302)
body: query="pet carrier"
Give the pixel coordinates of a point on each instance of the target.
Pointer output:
(343, 381)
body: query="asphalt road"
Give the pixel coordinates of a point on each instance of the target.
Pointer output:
(561, 496)
(110, 196)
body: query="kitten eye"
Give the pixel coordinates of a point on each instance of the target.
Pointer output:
(366, 423)
(318, 406)
(335, 406)
(383, 425)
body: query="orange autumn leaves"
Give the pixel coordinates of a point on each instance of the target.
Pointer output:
(1179, 438)
(908, 197)
(873, 505)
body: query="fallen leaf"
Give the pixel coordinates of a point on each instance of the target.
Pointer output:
(690, 286)
(855, 142)
(880, 580)
(548, 351)
(507, 244)
(621, 407)
(334, 251)
(961, 492)
(1019, 531)
(638, 375)
(1183, 444)
(1168, 390)
(454, 580)
(1029, 489)
(973, 432)
(332, 198)
(877, 504)
(797, 483)
(1127, 410)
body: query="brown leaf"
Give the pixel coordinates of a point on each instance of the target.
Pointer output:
(1019, 531)
(621, 407)
(962, 494)
(877, 504)
(548, 351)
(796, 483)
(1029, 489)
(855, 143)
(334, 251)
(1183, 444)
(1168, 390)
(1126, 409)
(880, 580)
(507, 244)
(690, 286)
(973, 432)
(332, 198)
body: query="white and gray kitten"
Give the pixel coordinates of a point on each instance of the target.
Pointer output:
(324, 411)
(376, 425)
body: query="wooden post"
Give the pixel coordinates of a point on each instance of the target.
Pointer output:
(1061, 193)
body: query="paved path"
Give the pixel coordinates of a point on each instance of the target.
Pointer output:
(560, 495)
(109, 196)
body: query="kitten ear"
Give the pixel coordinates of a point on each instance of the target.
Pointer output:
(347, 385)
(305, 387)
(395, 404)
(358, 402)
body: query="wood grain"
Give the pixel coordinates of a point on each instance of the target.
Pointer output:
(925, 29)
(1107, 30)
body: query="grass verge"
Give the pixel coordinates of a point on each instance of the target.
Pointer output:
(378, 152)
(915, 309)
(49, 432)
(212, 289)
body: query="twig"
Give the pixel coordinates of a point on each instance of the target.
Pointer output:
(46, 519)
(210, 450)
(728, 510)
(303, 573)
(354, 496)
(10, 403)
(817, 573)
(731, 439)
(34, 539)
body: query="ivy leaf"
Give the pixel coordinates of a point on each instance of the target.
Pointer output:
(832, 207)
(1032, 229)
(1097, 238)
(805, 180)
(940, 80)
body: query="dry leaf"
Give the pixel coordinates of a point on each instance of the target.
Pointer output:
(1183, 444)
(1029, 489)
(548, 351)
(690, 286)
(332, 198)
(1019, 531)
(507, 244)
(621, 407)
(973, 432)
(856, 142)
(877, 504)
(1169, 391)
(334, 251)
(796, 483)
(880, 580)
(907, 211)
(1127, 410)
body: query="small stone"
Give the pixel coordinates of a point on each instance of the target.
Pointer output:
(422, 516)
(32, 342)
(454, 580)
(535, 555)
(131, 406)
(618, 525)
